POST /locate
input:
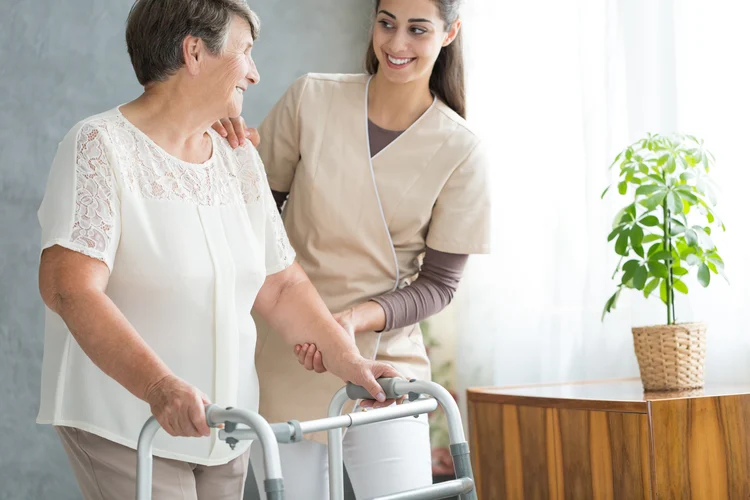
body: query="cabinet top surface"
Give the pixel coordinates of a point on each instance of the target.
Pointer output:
(628, 394)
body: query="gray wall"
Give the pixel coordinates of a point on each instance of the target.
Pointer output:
(60, 62)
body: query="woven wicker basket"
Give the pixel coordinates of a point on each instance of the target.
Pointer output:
(671, 357)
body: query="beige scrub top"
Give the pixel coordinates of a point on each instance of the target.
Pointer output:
(359, 226)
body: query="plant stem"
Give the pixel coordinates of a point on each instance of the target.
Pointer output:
(670, 277)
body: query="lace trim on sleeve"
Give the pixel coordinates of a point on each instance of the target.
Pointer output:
(94, 220)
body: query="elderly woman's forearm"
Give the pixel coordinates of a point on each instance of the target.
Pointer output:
(293, 308)
(110, 341)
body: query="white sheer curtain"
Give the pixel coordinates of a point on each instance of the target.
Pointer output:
(557, 89)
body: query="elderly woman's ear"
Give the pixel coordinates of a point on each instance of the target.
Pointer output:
(192, 53)
(235, 131)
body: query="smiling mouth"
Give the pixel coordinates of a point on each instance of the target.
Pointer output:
(239, 90)
(399, 62)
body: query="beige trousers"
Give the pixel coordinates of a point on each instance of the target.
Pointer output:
(106, 471)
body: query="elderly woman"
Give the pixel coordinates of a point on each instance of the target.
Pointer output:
(158, 240)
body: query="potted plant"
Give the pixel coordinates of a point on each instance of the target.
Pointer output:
(663, 232)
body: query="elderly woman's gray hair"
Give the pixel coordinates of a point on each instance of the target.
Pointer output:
(156, 29)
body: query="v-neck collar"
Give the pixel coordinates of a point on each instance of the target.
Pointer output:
(367, 121)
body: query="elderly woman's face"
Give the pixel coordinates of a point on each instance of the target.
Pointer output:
(232, 71)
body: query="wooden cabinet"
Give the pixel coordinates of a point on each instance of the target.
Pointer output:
(609, 440)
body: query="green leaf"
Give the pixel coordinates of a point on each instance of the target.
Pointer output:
(679, 271)
(622, 187)
(704, 275)
(630, 209)
(671, 165)
(693, 260)
(662, 160)
(631, 265)
(674, 203)
(663, 291)
(658, 179)
(650, 220)
(654, 249)
(677, 228)
(611, 302)
(650, 238)
(640, 277)
(636, 235)
(658, 270)
(651, 287)
(627, 276)
(639, 251)
(643, 168)
(692, 237)
(705, 240)
(685, 250)
(617, 158)
(615, 232)
(686, 176)
(663, 255)
(654, 200)
(648, 189)
(629, 153)
(621, 246)
(605, 192)
(680, 286)
(714, 257)
(710, 217)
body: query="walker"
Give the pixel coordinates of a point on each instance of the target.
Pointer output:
(270, 435)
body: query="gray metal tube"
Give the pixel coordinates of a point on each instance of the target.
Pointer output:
(285, 432)
(145, 460)
(271, 458)
(214, 416)
(418, 407)
(459, 446)
(325, 424)
(370, 416)
(434, 492)
(437, 391)
(462, 466)
(336, 447)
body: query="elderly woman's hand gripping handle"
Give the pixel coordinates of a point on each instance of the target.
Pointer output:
(292, 307)
(73, 286)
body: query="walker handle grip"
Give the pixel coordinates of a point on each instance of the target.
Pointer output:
(359, 392)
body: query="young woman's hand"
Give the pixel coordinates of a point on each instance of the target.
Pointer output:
(308, 354)
(368, 316)
(236, 131)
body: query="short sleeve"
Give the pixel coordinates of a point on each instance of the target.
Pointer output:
(81, 207)
(279, 253)
(280, 138)
(461, 217)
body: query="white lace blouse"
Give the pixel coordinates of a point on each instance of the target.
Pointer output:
(188, 247)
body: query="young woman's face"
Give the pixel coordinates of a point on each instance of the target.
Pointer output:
(407, 38)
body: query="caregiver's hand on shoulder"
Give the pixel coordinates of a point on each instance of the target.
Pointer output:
(236, 132)
(179, 407)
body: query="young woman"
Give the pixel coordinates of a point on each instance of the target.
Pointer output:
(377, 171)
